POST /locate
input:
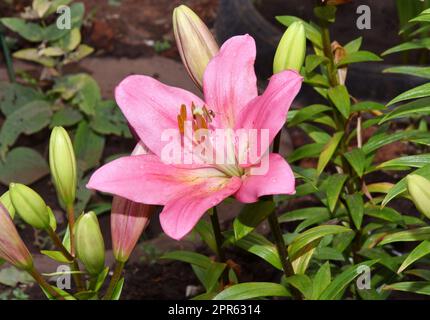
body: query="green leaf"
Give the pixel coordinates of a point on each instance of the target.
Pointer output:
(307, 240)
(386, 214)
(252, 290)
(418, 92)
(12, 276)
(367, 106)
(311, 150)
(416, 161)
(303, 214)
(14, 96)
(328, 151)
(88, 147)
(400, 187)
(419, 252)
(312, 33)
(101, 279)
(212, 274)
(422, 72)
(108, 120)
(340, 97)
(338, 285)
(118, 289)
(188, 257)
(23, 165)
(356, 57)
(250, 217)
(335, 183)
(420, 287)
(55, 255)
(313, 61)
(354, 45)
(420, 107)
(28, 30)
(29, 119)
(260, 246)
(410, 45)
(321, 280)
(65, 117)
(355, 206)
(302, 283)
(34, 55)
(357, 160)
(307, 113)
(205, 230)
(418, 234)
(81, 89)
(381, 139)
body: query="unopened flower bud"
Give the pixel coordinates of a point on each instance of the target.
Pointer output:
(89, 243)
(29, 205)
(62, 162)
(419, 189)
(7, 203)
(195, 42)
(291, 50)
(128, 220)
(12, 248)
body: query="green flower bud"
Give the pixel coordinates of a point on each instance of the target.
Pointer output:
(419, 189)
(195, 42)
(6, 201)
(62, 162)
(89, 243)
(29, 205)
(291, 51)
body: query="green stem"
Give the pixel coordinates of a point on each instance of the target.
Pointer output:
(331, 67)
(219, 239)
(71, 219)
(119, 266)
(44, 284)
(75, 267)
(7, 56)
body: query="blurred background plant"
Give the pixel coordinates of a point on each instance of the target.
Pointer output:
(54, 98)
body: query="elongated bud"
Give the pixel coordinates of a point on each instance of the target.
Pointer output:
(12, 248)
(195, 42)
(29, 205)
(419, 189)
(6, 201)
(291, 50)
(128, 220)
(89, 243)
(62, 162)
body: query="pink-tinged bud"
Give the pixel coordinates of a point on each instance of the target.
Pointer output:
(12, 248)
(195, 42)
(128, 220)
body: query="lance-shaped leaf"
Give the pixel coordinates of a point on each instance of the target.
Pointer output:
(340, 97)
(328, 151)
(252, 290)
(420, 251)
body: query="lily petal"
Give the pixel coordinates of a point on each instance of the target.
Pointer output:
(181, 214)
(229, 82)
(269, 111)
(146, 179)
(152, 107)
(278, 180)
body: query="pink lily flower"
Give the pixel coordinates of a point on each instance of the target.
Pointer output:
(230, 94)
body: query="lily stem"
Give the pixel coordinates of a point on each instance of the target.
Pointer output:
(119, 266)
(44, 284)
(71, 219)
(219, 239)
(76, 277)
(276, 230)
